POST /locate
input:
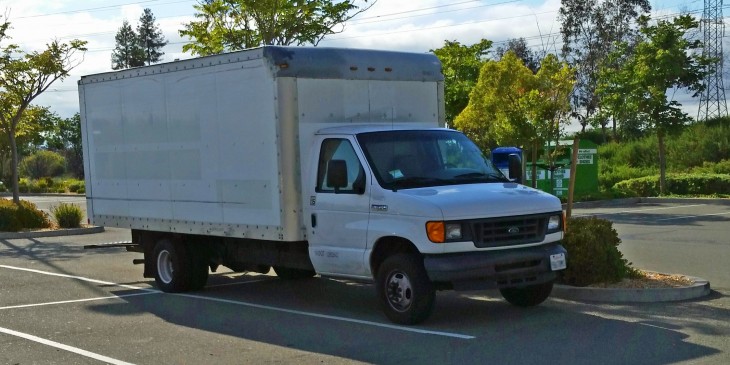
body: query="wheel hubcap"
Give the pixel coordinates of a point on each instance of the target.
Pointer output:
(164, 267)
(400, 292)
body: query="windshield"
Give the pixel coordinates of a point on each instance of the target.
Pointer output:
(414, 159)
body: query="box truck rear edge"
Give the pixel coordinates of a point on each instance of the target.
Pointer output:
(311, 161)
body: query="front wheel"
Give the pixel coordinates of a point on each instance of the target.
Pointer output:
(528, 296)
(406, 294)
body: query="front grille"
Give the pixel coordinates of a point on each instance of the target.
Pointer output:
(509, 231)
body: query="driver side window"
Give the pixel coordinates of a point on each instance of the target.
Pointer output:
(340, 149)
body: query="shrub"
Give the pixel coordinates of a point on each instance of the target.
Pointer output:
(43, 164)
(67, 215)
(680, 184)
(14, 218)
(76, 186)
(593, 255)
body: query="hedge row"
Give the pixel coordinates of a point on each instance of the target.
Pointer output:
(679, 184)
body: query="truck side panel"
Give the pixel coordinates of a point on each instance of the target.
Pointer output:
(193, 164)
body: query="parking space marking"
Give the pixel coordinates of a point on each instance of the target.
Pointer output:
(77, 300)
(61, 346)
(81, 278)
(691, 216)
(336, 318)
(638, 210)
(259, 306)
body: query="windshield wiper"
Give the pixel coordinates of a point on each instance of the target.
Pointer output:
(489, 176)
(417, 181)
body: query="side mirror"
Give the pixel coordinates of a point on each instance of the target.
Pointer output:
(515, 168)
(337, 174)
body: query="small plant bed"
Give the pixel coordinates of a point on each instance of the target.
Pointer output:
(648, 280)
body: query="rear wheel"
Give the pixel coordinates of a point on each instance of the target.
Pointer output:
(528, 296)
(173, 274)
(291, 274)
(406, 294)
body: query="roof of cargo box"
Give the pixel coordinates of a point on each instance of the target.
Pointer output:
(307, 62)
(346, 63)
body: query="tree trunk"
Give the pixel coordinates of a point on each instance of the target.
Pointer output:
(14, 166)
(662, 164)
(534, 164)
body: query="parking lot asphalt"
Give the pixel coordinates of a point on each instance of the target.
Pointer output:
(60, 304)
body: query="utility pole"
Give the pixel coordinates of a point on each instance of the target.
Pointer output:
(712, 102)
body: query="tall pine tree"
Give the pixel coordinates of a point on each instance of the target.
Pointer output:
(150, 37)
(127, 52)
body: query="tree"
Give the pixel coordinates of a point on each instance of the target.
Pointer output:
(231, 25)
(494, 114)
(127, 52)
(24, 76)
(664, 59)
(150, 36)
(590, 29)
(460, 64)
(513, 106)
(65, 137)
(521, 50)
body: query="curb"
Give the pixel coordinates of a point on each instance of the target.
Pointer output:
(700, 288)
(54, 233)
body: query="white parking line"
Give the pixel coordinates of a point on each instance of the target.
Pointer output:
(637, 210)
(691, 216)
(336, 318)
(77, 300)
(259, 306)
(61, 346)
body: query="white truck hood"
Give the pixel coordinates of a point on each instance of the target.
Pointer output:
(486, 200)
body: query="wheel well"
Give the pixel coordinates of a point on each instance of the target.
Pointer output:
(388, 246)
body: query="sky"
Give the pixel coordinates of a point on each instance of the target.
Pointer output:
(406, 25)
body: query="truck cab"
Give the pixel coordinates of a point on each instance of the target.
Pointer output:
(418, 210)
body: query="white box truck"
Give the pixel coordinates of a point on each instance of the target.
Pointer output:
(311, 161)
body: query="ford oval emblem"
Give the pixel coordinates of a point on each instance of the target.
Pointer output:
(513, 230)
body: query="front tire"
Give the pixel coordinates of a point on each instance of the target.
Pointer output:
(173, 270)
(406, 294)
(528, 296)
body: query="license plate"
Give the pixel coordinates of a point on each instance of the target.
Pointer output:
(557, 261)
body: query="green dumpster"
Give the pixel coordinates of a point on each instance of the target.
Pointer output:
(555, 179)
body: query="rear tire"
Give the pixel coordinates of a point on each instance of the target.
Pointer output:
(528, 296)
(406, 294)
(286, 273)
(173, 269)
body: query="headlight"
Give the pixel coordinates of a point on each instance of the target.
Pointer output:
(453, 231)
(554, 223)
(440, 232)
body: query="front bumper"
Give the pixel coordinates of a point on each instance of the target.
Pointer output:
(494, 269)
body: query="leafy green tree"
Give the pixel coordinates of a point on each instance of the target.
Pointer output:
(127, 53)
(231, 25)
(513, 106)
(590, 29)
(43, 164)
(150, 37)
(66, 138)
(460, 64)
(494, 114)
(664, 59)
(24, 76)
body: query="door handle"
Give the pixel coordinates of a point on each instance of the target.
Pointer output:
(314, 220)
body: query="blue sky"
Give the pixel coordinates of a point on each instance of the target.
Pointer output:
(409, 25)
